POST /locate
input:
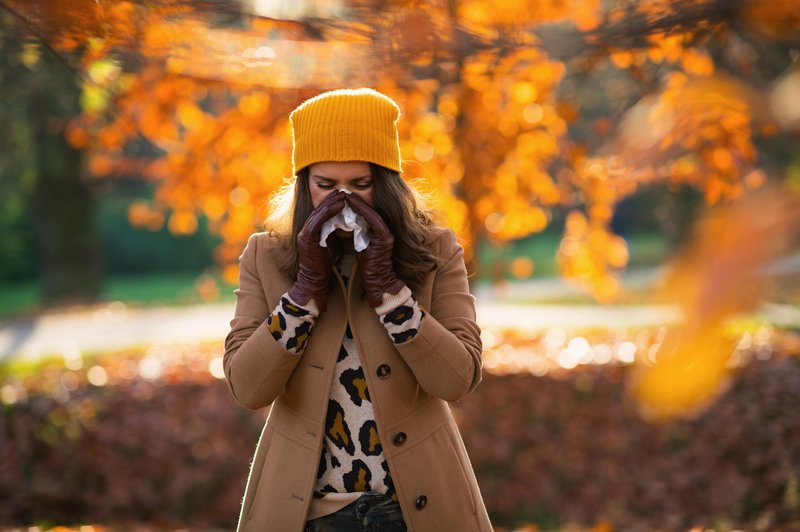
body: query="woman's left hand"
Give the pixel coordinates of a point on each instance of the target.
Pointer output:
(375, 262)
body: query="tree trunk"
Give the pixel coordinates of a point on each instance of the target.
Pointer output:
(61, 205)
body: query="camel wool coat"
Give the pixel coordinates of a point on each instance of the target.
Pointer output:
(432, 474)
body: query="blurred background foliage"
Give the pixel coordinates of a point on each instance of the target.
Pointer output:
(515, 120)
(149, 439)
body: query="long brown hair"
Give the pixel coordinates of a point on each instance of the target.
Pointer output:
(400, 206)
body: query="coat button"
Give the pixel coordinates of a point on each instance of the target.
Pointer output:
(421, 501)
(383, 371)
(399, 438)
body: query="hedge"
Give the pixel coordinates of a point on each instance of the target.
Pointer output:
(562, 451)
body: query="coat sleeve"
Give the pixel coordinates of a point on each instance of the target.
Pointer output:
(445, 354)
(256, 366)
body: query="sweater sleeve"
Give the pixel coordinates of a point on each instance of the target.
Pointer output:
(290, 323)
(401, 314)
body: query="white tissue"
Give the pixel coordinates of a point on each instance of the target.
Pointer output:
(348, 220)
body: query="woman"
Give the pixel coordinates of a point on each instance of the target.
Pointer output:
(358, 352)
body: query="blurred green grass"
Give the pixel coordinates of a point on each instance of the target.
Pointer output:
(145, 289)
(647, 249)
(174, 288)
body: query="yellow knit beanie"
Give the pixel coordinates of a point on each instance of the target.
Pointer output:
(346, 125)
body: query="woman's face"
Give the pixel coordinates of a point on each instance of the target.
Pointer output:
(354, 176)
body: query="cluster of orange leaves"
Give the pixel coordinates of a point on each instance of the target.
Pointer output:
(696, 130)
(711, 125)
(480, 132)
(481, 16)
(481, 150)
(673, 48)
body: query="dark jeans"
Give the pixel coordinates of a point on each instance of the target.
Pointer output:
(372, 512)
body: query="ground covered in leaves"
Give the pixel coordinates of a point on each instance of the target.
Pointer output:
(154, 437)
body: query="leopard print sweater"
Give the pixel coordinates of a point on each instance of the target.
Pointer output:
(352, 459)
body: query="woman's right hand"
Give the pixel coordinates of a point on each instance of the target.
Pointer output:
(315, 261)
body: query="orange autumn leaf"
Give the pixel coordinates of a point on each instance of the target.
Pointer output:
(713, 279)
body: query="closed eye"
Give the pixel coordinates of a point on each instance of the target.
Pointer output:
(360, 186)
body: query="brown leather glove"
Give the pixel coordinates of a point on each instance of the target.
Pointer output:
(316, 261)
(375, 262)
